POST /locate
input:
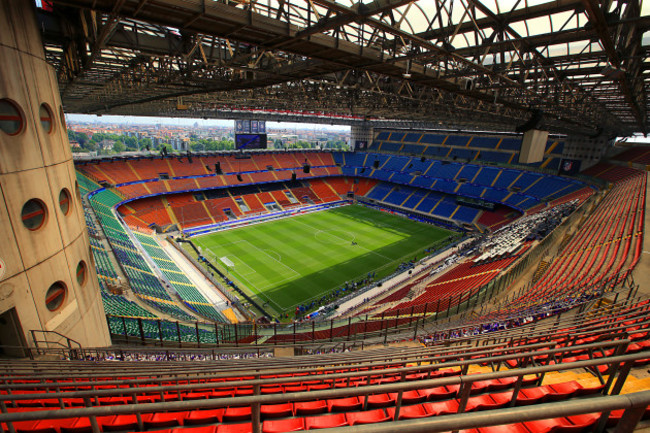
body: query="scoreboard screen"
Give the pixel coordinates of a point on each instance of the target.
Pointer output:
(250, 141)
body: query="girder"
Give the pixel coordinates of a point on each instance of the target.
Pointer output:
(373, 61)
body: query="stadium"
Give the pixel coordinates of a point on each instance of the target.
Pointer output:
(474, 261)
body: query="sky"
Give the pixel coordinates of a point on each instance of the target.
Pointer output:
(143, 120)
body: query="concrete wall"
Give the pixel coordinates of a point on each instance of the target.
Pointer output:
(37, 164)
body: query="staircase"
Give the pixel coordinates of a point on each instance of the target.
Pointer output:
(541, 268)
(600, 308)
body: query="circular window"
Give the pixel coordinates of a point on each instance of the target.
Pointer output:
(55, 296)
(64, 201)
(34, 214)
(45, 114)
(81, 273)
(11, 119)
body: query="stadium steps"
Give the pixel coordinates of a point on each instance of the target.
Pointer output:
(541, 268)
(601, 308)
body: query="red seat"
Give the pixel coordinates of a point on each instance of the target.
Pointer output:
(564, 390)
(196, 395)
(344, 404)
(121, 422)
(550, 425)
(481, 402)
(235, 428)
(205, 416)
(441, 407)
(584, 421)
(508, 428)
(325, 421)
(380, 400)
(409, 397)
(204, 429)
(437, 393)
(481, 386)
(531, 396)
(295, 388)
(283, 425)
(504, 382)
(77, 425)
(166, 419)
(409, 412)
(237, 413)
(222, 394)
(276, 410)
(367, 417)
(310, 407)
(271, 390)
(42, 426)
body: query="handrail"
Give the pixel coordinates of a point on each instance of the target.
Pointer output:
(255, 401)
(407, 385)
(69, 341)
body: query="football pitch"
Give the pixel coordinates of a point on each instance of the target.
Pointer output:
(293, 261)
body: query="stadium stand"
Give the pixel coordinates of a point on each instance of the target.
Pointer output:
(463, 146)
(637, 154)
(387, 179)
(460, 379)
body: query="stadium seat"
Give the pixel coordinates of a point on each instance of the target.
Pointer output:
(325, 421)
(344, 404)
(409, 397)
(237, 413)
(441, 407)
(563, 391)
(121, 422)
(531, 396)
(310, 407)
(235, 428)
(437, 393)
(76, 425)
(367, 417)
(283, 425)
(165, 419)
(508, 428)
(409, 412)
(276, 410)
(380, 400)
(204, 416)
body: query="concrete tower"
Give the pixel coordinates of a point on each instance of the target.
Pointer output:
(47, 274)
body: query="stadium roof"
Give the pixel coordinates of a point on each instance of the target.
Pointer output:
(568, 66)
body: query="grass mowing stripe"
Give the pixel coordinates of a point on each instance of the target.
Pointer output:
(319, 248)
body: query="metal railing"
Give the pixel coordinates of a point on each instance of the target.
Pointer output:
(619, 367)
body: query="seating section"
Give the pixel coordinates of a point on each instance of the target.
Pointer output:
(610, 172)
(458, 146)
(129, 174)
(445, 376)
(637, 154)
(142, 279)
(186, 290)
(604, 250)
(521, 190)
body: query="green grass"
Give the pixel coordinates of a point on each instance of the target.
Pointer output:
(292, 261)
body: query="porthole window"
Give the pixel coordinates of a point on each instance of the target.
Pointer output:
(64, 201)
(45, 114)
(11, 119)
(55, 296)
(82, 271)
(34, 214)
